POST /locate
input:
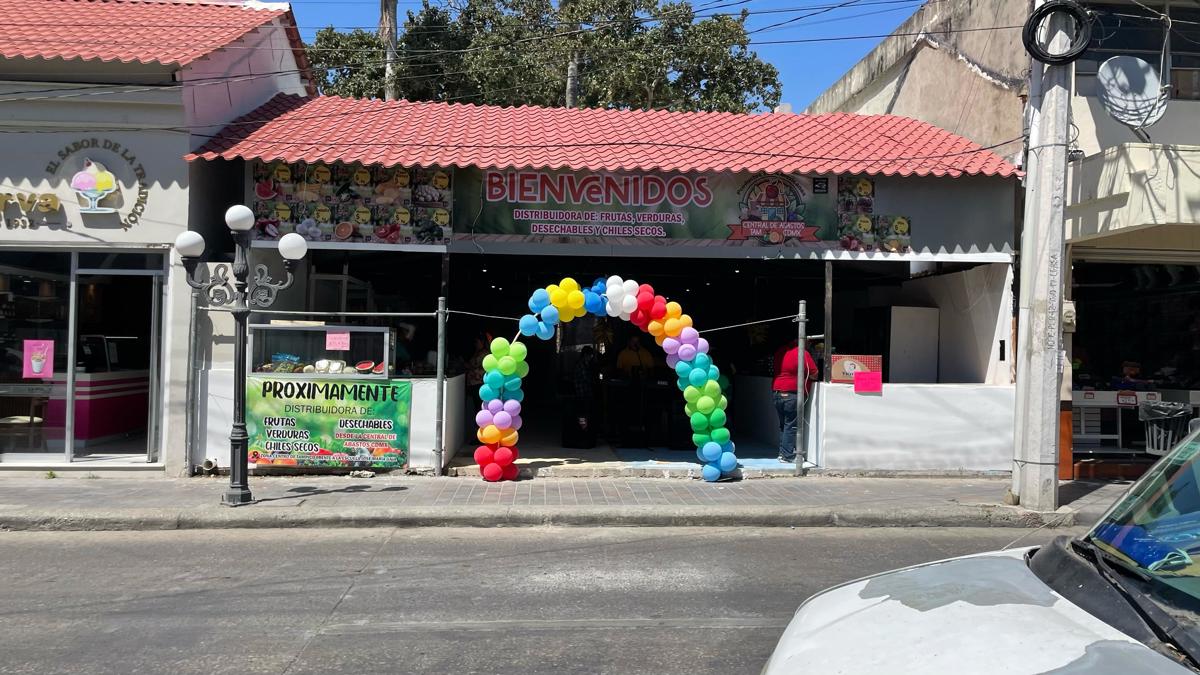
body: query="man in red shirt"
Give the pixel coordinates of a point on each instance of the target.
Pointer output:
(785, 385)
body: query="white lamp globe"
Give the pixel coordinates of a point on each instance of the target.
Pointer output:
(292, 246)
(190, 244)
(239, 218)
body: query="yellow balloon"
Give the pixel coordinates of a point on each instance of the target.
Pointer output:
(558, 298)
(575, 299)
(569, 285)
(686, 321)
(673, 327)
(567, 315)
(674, 310)
(655, 328)
(509, 439)
(489, 434)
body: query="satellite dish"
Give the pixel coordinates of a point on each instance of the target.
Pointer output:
(1131, 91)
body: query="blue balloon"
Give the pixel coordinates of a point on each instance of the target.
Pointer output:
(528, 325)
(683, 368)
(494, 379)
(682, 383)
(539, 300)
(697, 377)
(517, 395)
(711, 451)
(600, 288)
(702, 361)
(486, 393)
(593, 303)
(714, 373)
(729, 447)
(544, 330)
(711, 472)
(512, 383)
(700, 455)
(728, 462)
(550, 315)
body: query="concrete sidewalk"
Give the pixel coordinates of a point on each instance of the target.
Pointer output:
(340, 501)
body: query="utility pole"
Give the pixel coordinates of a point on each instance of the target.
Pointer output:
(1039, 317)
(572, 97)
(387, 34)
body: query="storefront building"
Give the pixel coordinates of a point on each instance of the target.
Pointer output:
(897, 236)
(94, 314)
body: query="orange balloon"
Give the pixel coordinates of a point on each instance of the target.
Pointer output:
(674, 310)
(686, 320)
(673, 327)
(660, 338)
(656, 329)
(489, 434)
(509, 439)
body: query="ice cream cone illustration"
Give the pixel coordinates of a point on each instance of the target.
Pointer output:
(94, 183)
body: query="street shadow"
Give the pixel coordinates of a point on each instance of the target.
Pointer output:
(1078, 489)
(305, 491)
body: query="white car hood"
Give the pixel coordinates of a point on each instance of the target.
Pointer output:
(981, 614)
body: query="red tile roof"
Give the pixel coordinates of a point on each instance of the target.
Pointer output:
(334, 129)
(143, 31)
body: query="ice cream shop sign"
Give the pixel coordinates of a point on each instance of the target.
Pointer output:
(106, 181)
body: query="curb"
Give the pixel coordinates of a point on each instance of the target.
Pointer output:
(576, 516)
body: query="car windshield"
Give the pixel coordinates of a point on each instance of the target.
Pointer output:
(1155, 528)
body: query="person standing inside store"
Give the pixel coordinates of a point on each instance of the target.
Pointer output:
(582, 433)
(635, 360)
(784, 386)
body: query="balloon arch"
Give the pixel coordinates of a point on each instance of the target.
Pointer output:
(499, 417)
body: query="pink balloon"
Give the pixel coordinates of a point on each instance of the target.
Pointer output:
(502, 420)
(495, 405)
(670, 345)
(672, 360)
(512, 407)
(687, 352)
(702, 346)
(516, 422)
(689, 336)
(483, 418)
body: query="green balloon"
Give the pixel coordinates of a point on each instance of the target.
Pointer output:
(706, 405)
(522, 368)
(691, 394)
(723, 404)
(699, 422)
(717, 419)
(491, 363)
(700, 439)
(711, 388)
(508, 365)
(499, 347)
(518, 351)
(720, 436)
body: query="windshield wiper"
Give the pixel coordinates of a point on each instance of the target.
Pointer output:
(1169, 631)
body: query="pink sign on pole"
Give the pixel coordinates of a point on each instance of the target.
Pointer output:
(38, 359)
(867, 382)
(337, 341)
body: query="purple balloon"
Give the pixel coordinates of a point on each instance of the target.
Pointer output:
(687, 352)
(670, 345)
(702, 346)
(689, 336)
(512, 407)
(502, 420)
(672, 360)
(483, 418)
(495, 405)
(516, 422)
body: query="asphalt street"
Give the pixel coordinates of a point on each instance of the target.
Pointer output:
(433, 600)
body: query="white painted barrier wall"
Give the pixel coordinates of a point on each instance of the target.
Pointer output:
(916, 427)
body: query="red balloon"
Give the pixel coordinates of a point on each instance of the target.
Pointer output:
(639, 319)
(483, 455)
(645, 301)
(646, 288)
(492, 472)
(659, 309)
(516, 455)
(503, 456)
(510, 472)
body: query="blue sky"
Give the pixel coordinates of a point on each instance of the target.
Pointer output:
(806, 69)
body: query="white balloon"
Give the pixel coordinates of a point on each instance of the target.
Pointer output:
(614, 281)
(611, 309)
(624, 316)
(631, 287)
(615, 293)
(628, 304)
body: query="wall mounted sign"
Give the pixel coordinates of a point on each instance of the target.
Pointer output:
(38, 360)
(844, 366)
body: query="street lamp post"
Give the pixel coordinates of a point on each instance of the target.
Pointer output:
(239, 296)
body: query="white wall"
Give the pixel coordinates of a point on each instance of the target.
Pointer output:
(970, 214)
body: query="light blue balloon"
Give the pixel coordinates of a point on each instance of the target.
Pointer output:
(512, 383)
(714, 373)
(729, 447)
(517, 395)
(486, 393)
(539, 300)
(710, 451)
(682, 383)
(494, 379)
(697, 377)
(711, 472)
(544, 331)
(593, 303)
(728, 462)
(528, 325)
(683, 368)
(700, 455)
(550, 315)
(702, 361)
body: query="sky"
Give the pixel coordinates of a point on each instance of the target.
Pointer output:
(805, 69)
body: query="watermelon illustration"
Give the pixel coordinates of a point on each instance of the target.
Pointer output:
(265, 189)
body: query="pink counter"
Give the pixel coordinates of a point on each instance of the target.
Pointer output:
(107, 405)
